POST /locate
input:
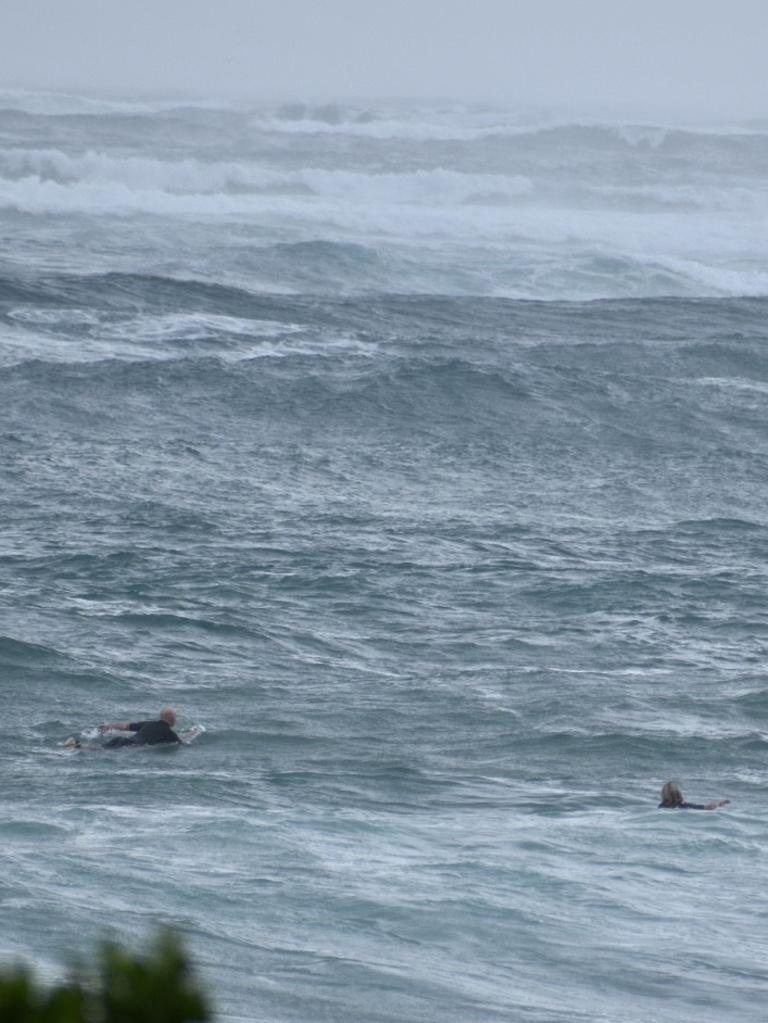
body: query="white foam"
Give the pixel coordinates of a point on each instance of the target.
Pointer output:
(642, 135)
(196, 177)
(387, 128)
(420, 204)
(706, 252)
(35, 195)
(164, 337)
(55, 317)
(146, 342)
(718, 279)
(735, 384)
(610, 229)
(705, 196)
(468, 126)
(141, 337)
(198, 326)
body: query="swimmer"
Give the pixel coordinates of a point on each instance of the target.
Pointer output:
(672, 799)
(147, 733)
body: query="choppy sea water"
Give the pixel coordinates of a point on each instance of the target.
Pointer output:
(418, 453)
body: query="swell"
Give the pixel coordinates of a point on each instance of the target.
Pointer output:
(20, 653)
(420, 359)
(258, 389)
(127, 291)
(669, 316)
(408, 121)
(553, 135)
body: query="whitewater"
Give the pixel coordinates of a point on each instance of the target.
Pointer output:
(417, 452)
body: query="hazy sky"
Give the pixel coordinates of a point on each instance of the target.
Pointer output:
(706, 54)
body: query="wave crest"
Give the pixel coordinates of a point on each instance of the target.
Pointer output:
(40, 168)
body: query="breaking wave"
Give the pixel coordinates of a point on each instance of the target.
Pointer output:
(405, 198)
(38, 168)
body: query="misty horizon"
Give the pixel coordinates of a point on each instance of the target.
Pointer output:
(696, 59)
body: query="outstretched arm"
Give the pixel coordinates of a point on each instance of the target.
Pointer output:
(716, 804)
(119, 726)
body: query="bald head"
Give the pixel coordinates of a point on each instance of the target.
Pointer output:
(168, 714)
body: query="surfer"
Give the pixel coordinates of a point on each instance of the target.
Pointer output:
(147, 733)
(672, 799)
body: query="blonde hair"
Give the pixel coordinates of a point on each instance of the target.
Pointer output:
(670, 793)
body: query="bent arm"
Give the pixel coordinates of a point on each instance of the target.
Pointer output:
(118, 726)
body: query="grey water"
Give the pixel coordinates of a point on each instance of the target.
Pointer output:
(418, 453)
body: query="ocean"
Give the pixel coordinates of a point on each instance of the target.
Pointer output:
(418, 453)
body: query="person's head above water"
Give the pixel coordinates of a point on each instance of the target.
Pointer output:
(670, 793)
(672, 798)
(168, 714)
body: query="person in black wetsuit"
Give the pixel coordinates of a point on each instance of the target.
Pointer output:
(147, 733)
(672, 799)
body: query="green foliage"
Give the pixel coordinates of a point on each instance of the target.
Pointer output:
(157, 988)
